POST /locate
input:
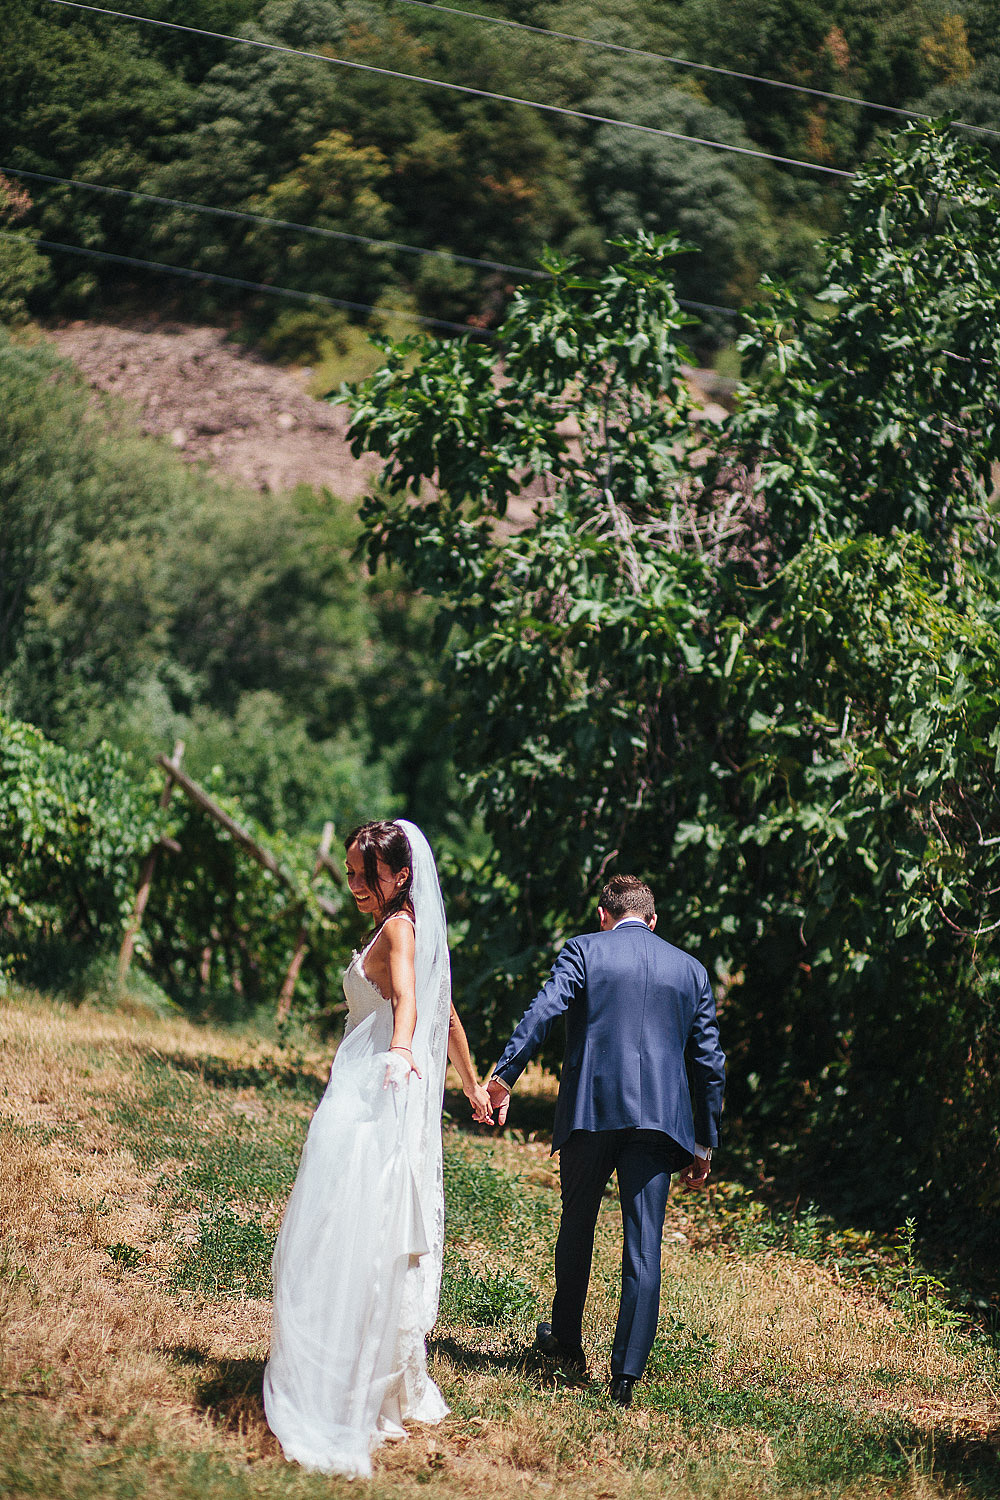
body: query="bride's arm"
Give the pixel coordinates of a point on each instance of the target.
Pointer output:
(402, 988)
(460, 1056)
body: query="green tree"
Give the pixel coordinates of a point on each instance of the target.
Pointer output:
(336, 185)
(883, 413)
(22, 269)
(703, 196)
(768, 681)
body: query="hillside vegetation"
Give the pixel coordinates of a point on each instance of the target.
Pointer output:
(192, 119)
(143, 1170)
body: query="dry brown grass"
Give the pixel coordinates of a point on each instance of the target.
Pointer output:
(120, 1363)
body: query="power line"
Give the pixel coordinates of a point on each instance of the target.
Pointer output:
(247, 216)
(190, 274)
(685, 62)
(279, 291)
(711, 307)
(457, 88)
(230, 213)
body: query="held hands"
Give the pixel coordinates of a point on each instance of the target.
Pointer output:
(696, 1174)
(499, 1097)
(482, 1106)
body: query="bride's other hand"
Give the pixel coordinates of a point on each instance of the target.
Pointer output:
(400, 1067)
(482, 1108)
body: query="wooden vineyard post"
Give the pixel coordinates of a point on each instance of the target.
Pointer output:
(148, 868)
(288, 988)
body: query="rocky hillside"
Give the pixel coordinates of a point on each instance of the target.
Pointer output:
(220, 404)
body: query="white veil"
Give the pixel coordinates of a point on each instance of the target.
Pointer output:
(430, 1053)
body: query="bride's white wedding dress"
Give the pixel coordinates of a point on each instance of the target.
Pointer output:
(357, 1266)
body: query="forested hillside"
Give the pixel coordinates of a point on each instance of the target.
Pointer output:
(338, 141)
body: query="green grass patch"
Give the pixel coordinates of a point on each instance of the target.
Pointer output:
(498, 1299)
(678, 1351)
(231, 1257)
(485, 1203)
(43, 1458)
(814, 1443)
(800, 1408)
(223, 1154)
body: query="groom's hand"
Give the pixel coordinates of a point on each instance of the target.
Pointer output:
(499, 1098)
(696, 1174)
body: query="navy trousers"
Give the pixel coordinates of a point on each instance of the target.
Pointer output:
(643, 1160)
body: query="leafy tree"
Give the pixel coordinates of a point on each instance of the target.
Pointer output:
(794, 41)
(884, 414)
(666, 187)
(22, 268)
(975, 101)
(592, 402)
(81, 99)
(767, 681)
(337, 185)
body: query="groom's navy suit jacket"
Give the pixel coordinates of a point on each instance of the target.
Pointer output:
(635, 1007)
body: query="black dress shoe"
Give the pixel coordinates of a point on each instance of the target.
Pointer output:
(620, 1389)
(546, 1344)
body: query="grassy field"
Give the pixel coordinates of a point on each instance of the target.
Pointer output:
(144, 1168)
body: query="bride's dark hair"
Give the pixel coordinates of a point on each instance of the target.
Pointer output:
(388, 842)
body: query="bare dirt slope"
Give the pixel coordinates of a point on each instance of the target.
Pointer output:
(219, 404)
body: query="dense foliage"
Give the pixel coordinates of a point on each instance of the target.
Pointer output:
(185, 117)
(141, 602)
(759, 665)
(70, 827)
(219, 931)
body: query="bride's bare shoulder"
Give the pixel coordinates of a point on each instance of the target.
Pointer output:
(400, 929)
(396, 939)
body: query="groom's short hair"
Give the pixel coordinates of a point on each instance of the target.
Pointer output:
(628, 895)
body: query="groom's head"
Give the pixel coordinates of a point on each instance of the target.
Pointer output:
(626, 896)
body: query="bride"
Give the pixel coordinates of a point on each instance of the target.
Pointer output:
(357, 1266)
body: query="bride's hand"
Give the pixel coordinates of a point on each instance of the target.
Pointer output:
(395, 1075)
(482, 1108)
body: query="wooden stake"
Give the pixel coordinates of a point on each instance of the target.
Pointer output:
(172, 768)
(239, 834)
(288, 988)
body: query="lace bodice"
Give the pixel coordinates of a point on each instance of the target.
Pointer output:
(361, 994)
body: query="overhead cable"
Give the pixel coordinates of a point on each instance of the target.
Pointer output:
(685, 62)
(247, 216)
(456, 88)
(231, 213)
(190, 274)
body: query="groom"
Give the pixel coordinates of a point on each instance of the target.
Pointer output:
(635, 1007)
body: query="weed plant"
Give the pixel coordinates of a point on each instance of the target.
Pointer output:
(495, 1299)
(232, 1255)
